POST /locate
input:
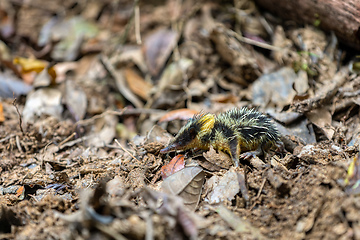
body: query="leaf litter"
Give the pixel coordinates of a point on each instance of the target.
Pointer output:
(101, 87)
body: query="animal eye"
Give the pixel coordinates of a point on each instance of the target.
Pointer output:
(192, 132)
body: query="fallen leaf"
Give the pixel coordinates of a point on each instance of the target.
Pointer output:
(42, 101)
(71, 33)
(275, 88)
(322, 118)
(75, 100)
(224, 189)
(7, 26)
(180, 114)
(187, 183)
(103, 132)
(175, 165)
(219, 159)
(137, 84)
(157, 49)
(20, 193)
(120, 81)
(2, 117)
(158, 135)
(29, 65)
(224, 98)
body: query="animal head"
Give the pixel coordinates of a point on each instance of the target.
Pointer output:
(192, 134)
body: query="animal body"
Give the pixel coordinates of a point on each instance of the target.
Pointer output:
(242, 133)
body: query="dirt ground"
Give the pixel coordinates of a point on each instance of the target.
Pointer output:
(91, 91)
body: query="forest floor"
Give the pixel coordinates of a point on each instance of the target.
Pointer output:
(91, 91)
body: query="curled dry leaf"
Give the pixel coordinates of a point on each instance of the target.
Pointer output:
(158, 135)
(157, 49)
(20, 193)
(137, 84)
(11, 86)
(322, 118)
(28, 65)
(275, 88)
(120, 82)
(181, 114)
(230, 49)
(75, 100)
(175, 165)
(218, 159)
(224, 189)
(2, 117)
(42, 101)
(172, 78)
(103, 132)
(187, 183)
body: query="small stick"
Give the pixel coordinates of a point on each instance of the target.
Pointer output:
(18, 144)
(253, 42)
(67, 139)
(126, 151)
(259, 193)
(7, 138)
(137, 23)
(20, 118)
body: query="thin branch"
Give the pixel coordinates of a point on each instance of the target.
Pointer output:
(20, 118)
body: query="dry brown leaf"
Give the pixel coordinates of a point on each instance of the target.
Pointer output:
(218, 159)
(44, 101)
(175, 165)
(75, 100)
(275, 88)
(157, 49)
(20, 192)
(224, 98)
(2, 117)
(187, 183)
(322, 118)
(181, 114)
(224, 189)
(158, 135)
(28, 65)
(137, 84)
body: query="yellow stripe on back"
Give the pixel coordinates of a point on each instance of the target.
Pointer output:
(207, 122)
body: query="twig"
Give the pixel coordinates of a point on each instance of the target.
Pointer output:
(20, 118)
(259, 193)
(120, 82)
(18, 144)
(7, 138)
(127, 151)
(67, 139)
(128, 25)
(253, 42)
(137, 23)
(123, 112)
(73, 142)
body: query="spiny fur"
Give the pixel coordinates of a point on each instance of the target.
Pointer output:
(235, 131)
